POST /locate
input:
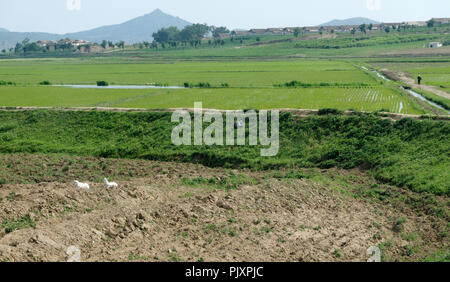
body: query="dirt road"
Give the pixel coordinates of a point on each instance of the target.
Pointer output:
(406, 78)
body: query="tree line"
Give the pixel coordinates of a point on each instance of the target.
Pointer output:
(170, 36)
(26, 46)
(192, 34)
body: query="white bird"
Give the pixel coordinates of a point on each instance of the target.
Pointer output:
(80, 185)
(110, 184)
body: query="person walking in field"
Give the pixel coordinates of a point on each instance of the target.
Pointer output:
(419, 79)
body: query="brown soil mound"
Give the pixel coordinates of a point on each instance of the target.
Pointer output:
(184, 213)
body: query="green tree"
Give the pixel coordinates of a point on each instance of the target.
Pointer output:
(321, 29)
(387, 29)
(217, 31)
(19, 48)
(165, 35)
(431, 23)
(120, 44)
(362, 28)
(194, 32)
(297, 31)
(31, 47)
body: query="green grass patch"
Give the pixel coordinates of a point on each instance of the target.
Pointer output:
(445, 103)
(440, 256)
(227, 183)
(16, 224)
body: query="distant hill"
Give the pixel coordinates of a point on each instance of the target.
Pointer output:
(136, 30)
(3, 30)
(351, 21)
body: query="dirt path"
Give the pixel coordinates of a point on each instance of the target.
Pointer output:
(406, 78)
(168, 217)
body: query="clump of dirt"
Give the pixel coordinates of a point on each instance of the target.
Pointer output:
(390, 74)
(183, 212)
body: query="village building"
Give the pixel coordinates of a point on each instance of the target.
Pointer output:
(275, 31)
(224, 35)
(257, 31)
(441, 20)
(240, 33)
(392, 25)
(77, 43)
(289, 30)
(435, 45)
(415, 23)
(42, 43)
(51, 45)
(311, 29)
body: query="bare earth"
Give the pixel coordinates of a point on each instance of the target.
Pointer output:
(158, 218)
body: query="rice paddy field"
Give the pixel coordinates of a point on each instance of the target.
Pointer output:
(249, 84)
(364, 99)
(237, 74)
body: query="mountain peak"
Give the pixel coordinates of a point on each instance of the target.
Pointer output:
(156, 12)
(3, 30)
(135, 30)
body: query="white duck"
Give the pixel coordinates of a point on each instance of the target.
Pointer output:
(110, 184)
(80, 185)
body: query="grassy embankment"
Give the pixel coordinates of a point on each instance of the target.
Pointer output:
(407, 153)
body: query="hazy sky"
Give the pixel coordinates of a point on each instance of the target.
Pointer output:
(56, 17)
